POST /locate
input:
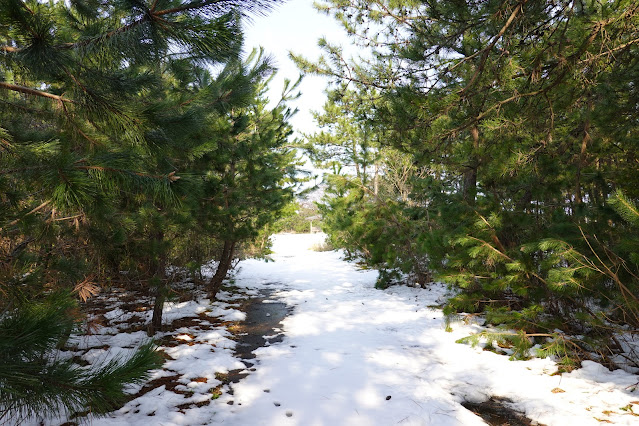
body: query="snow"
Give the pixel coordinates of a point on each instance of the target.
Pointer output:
(353, 355)
(227, 314)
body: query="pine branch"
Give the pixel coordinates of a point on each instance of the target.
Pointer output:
(36, 209)
(487, 49)
(188, 6)
(170, 177)
(33, 382)
(626, 208)
(152, 15)
(207, 3)
(33, 92)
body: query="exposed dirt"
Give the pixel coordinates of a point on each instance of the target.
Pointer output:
(263, 318)
(496, 412)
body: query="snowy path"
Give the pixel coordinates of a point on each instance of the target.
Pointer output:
(353, 355)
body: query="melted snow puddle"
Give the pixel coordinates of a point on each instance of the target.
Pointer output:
(496, 412)
(261, 328)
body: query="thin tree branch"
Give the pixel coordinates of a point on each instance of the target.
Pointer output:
(40, 207)
(487, 49)
(32, 92)
(188, 6)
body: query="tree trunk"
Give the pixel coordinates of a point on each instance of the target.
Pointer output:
(161, 290)
(215, 284)
(470, 185)
(376, 181)
(581, 161)
(158, 306)
(470, 175)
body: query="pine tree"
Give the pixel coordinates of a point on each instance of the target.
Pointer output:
(520, 111)
(88, 152)
(248, 168)
(367, 210)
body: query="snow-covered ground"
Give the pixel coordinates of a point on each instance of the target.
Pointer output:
(353, 355)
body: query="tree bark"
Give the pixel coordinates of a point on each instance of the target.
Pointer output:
(159, 270)
(226, 259)
(158, 306)
(470, 185)
(376, 180)
(469, 189)
(582, 161)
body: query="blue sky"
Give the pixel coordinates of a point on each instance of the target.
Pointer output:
(295, 26)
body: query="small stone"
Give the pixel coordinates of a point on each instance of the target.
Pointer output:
(267, 390)
(557, 390)
(388, 397)
(289, 414)
(277, 404)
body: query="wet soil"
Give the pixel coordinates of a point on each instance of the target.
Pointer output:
(496, 412)
(263, 318)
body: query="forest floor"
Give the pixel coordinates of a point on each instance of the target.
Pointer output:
(337, 352)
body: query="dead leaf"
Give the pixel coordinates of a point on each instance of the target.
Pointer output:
(86, 289)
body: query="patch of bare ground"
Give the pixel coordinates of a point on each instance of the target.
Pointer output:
(497, 411)
(262, 319)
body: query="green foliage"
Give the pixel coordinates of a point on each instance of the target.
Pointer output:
(625, 207)
(518, 343)
(121, 151)
(511, 125)
(247, 175)
(366, 209)
(386, 279)
(35, 382)
(298, 218)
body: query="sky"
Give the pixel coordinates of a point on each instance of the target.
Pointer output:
(295, 26)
